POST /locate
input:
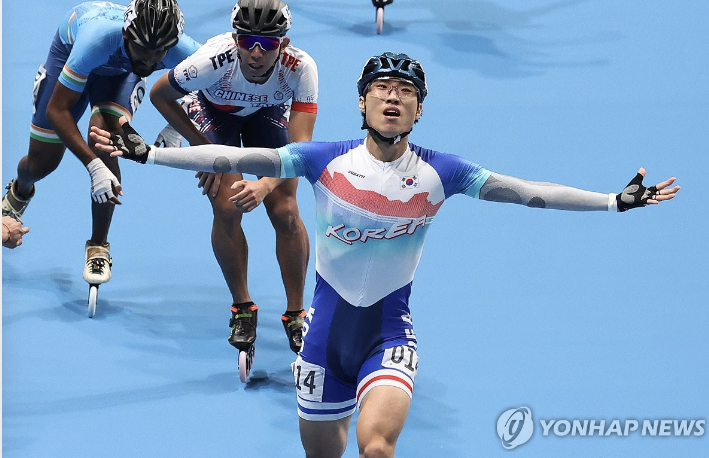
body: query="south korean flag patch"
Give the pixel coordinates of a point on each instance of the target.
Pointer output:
(410, 182)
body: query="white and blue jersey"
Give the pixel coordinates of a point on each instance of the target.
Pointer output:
(372, 219)
(88, 56)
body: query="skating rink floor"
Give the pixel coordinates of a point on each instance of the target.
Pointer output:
(576, 316)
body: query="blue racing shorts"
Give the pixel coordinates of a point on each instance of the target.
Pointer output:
(267, 127)
(116, 94)
(349, 350)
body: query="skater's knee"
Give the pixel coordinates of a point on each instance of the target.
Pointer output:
(324, 449)
(225, 212)
(324, 439)
(377, 447)
(284, 215)
(41, 160)
(31, 171)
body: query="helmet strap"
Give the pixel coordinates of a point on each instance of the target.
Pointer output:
(389, 140)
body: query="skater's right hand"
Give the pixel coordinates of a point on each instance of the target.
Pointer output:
(104, 184)
(129, 144)
(209, 182)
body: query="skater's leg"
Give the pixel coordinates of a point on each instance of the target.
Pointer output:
(97, 269)
(42, 159)
(228, 241)
(46, 149)
(102, 214)
(382, 415)
(324, 439)
(292, 245)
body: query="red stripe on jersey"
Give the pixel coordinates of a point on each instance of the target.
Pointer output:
(304, 107)
(416, 207)
(384, 377)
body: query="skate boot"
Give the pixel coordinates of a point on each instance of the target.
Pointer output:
(12, 204)
(293, 324)
(243, 325)
(98, 263)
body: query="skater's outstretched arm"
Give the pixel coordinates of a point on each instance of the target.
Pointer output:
(202, 158)
(503, 188)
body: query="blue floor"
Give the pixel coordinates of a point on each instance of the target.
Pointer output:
(576, 316)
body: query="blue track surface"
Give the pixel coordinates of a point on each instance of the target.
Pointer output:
(576, 316)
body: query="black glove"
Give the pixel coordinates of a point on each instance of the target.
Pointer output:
(131, 144)
(635, 194)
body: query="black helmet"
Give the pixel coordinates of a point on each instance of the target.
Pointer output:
(391, 65)
(269, 18)
(153, 24)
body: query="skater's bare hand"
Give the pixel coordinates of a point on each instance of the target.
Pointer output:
(249, 194)
(209, 182)
(12, 232)
(102, 139)
(662, 191)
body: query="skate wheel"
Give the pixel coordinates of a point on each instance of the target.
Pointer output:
(380, 20)
(93, 299)
(246, 360)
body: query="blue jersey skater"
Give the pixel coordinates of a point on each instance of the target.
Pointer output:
(88, 56)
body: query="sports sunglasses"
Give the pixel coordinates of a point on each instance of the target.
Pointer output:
(266, 43)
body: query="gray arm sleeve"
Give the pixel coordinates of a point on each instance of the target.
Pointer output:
(503, 188)
(220, 159)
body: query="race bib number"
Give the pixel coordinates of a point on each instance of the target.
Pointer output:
(309, 379)
(136, 98)
(403, 358)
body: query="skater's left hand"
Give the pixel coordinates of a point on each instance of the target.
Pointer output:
(636, 195)
(249, 194)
